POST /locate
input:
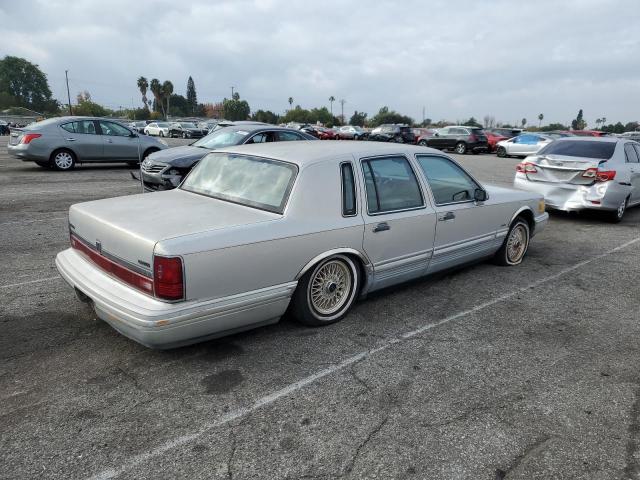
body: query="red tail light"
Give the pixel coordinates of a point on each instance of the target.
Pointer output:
(599, 175)
(26, 139)
(130, 277)
(167, 278)
(526, 167)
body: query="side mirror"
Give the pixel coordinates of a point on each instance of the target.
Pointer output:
(133, 134)
(480, 195)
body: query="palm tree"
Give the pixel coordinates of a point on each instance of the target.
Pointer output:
(331, 100)
(603, 120)
(156, 89)
(167, 90)
(524, 122)
(143, 85)
(290, 102)
(598, 120)
(540, 117)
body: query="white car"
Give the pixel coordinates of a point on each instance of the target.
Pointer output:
(523, 145)
(160, 129)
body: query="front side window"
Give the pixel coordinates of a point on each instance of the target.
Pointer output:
(448, 182)
(288, 137)
(348, 190)
(114, 130)
(391, 185)
(251, 181)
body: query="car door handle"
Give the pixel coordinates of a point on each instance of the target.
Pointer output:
(109, 140)
(381, 227)
(447, 216)
(70, 139)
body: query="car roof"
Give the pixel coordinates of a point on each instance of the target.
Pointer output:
(309, 152)
(608, 139)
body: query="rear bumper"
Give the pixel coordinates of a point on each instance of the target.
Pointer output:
(157, 324)
(568, 197)
(27, 154)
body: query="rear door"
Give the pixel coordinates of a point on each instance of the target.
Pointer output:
(438, 140)
(465, 230)
(119, 144)
(288, 136)
(632, 153)
(399, 221)
(83, 137)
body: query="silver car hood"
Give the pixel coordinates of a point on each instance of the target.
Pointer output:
(129, 227)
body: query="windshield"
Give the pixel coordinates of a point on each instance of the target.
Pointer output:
(247, 180)
(188, 125)
(573, 148)
(223, 137)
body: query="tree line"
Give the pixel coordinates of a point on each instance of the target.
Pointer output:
(24, 85)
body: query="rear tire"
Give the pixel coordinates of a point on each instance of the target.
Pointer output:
(461, 148)
(617, 215)
(44, 164)
(327, 291)
(422, 143)
(515, 244)
(63, 160)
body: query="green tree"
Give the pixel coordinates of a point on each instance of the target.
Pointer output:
(385, 115)
(578, 123)
(554, 126)
(180, 105)
(192, 98)
(235, 109)
(265, 116)
(167, 91)
(358, 119)
(540, 118)
(89, 108)
(143, 85)
(523, 122)
(472, 122)
(23, 84)
(290, 102)
(631, 127)
(331, 100)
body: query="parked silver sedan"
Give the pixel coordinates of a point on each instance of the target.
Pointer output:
(63, 142)
(255, 228)
(577, 173)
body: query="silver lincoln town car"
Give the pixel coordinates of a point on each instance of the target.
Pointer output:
(255, 229)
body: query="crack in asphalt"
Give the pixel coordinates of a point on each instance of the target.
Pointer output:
(349, 469)
(531, 451)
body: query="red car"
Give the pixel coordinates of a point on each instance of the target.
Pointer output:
(423, 134)
(321, 133)
(588, 133)
(493, 139)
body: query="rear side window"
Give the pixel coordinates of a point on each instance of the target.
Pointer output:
(579, 148)
(391, 185)
(83, 126)
(288, 136)
(630, 153)
(348, 190)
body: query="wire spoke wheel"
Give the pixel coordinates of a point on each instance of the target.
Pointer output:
(330, 287)
(517, 243)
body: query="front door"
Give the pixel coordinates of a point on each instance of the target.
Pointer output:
(399, 222)
(634, 170)
(119, 144)
(465, 230)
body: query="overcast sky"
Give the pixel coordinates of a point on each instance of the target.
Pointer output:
(510, 59)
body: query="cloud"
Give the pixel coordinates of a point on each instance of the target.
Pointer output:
(503, 58)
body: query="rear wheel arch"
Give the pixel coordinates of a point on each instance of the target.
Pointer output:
(361, 260)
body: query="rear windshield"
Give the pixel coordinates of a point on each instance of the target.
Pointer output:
(252, 181)
(599, 150)
(477, 131)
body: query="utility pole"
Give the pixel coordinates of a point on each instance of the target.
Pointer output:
(423, 117)
(232, 92)
(342, 102)
(66, 75)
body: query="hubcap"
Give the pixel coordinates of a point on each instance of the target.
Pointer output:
(460, 148)
(517, 243)
(63, 160)
(621, 209)
(330, 287)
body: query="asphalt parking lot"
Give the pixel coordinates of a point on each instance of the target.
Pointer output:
(486, 372)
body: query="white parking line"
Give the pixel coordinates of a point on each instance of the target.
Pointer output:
(289, 389)
(30, 281)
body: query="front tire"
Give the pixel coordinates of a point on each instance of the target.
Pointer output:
(422, 143)
(501, 152)
(461, 148)
(63, 160)
(327, 291)
(515, 245)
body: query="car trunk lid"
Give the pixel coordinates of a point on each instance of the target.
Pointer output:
(126, 229)
(562, 169)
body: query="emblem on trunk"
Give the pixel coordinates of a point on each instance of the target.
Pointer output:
(99, 246)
